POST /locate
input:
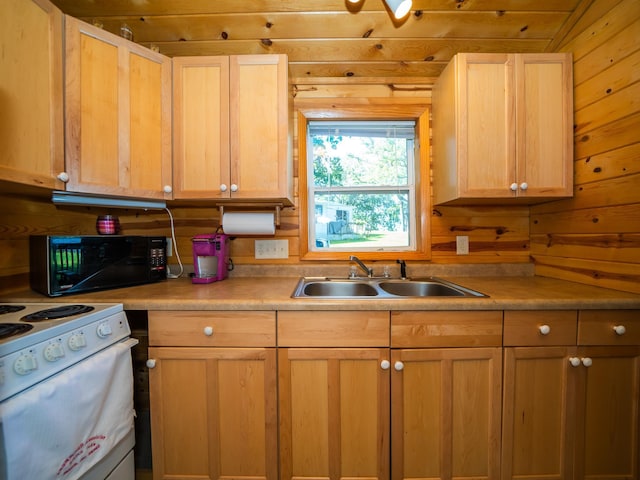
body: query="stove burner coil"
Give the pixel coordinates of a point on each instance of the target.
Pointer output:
(11, 329)
(57, 312)
(10, 308)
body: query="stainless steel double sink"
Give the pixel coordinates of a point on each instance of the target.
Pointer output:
(362, 287)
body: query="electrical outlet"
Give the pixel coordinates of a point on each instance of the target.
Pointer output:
(169, 251)
(272, 249)
(462, 245)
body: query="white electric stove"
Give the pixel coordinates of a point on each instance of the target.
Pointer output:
(66, 391)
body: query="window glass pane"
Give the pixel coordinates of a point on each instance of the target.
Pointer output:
(362, 220)
(361, 185)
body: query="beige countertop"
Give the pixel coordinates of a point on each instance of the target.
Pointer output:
(274, 293)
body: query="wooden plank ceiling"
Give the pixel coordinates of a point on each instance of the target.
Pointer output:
(332, 41)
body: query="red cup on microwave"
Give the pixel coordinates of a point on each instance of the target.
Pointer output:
(108, 225)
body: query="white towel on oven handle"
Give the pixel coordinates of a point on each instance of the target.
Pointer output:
(60, 428)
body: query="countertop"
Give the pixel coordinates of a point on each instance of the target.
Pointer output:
(274, 293)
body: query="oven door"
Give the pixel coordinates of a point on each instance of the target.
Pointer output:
(64, 426)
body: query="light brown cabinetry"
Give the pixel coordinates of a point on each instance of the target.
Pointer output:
(213, 395)
(31, 73)
(502, 128)
(334, 402)
(571, 394)
(445, 402)
(231, 128)
(118, 115)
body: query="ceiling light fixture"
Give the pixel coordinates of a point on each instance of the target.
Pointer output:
(399, 7)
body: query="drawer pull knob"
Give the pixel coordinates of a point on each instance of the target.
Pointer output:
(151, 363)
(544, 329)
(208, 331)
(587, 362)
(620, 329)
(574, 361)
(385, 364)
(398, 366)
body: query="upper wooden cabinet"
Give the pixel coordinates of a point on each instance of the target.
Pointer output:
(502, 128)
(31, 124)
(231, 128)
(118, 115)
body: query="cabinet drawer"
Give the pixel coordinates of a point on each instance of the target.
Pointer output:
(537, 328)
(212, 329)
(333, 329)
(446, 329)
(609, 327)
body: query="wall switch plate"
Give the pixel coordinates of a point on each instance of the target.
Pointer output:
(169, 250)
(272, 249)
(462, 245)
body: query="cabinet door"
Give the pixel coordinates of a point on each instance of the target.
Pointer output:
(608, 423)
(213, 413)
(201, 127)
(446, 413)
(259, 127)
(544, 105)
(334, 413)
(539, 413)
(31, 124)
(118, 117)
(486, 125)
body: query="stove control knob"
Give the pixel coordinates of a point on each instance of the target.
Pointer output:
(104, 330)
(77, 341)
(53, 352)
(25, 364)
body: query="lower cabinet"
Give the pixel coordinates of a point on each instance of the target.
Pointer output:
(446, 413)
(571, 395)
(334, 395)
(445, 402)
(213, 405)
(334, 413)
(398, 395)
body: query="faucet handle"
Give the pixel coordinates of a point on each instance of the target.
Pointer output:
(403, 268)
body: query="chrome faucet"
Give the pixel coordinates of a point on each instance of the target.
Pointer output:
(367, 270)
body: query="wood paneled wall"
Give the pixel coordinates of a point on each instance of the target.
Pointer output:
(594, 238)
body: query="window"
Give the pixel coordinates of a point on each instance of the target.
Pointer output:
(361, 182)
(336, 196)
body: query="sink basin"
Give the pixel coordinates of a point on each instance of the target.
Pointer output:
(340, 288)
(420, 289)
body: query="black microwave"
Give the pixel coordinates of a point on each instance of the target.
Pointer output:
(73, 264)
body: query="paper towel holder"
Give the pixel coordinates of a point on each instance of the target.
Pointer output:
(253, 206)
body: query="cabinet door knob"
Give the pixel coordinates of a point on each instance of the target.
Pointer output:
(151, 363)
(574, 361)
(587, 362)
(223, 187)
(398, 366)
(544, 329)
(385, 364)
(208, 331)
(620, 329)
(234, 187)
(63, 177)
(524, 186)
(514, 187)
(167, 189)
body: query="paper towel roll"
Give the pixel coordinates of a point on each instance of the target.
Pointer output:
(248, 223)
